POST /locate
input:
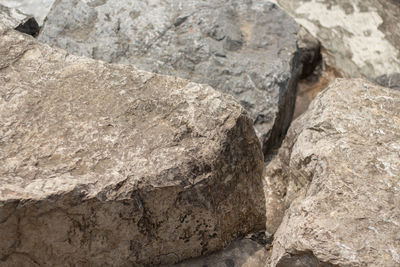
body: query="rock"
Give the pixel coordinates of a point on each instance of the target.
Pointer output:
(244, 48)
(312, 85)
(15, 19)
(391, 81)
(274, 190)
(341, 163)
(37, 8)
(107, 165)
(361, 37)
(243, 253)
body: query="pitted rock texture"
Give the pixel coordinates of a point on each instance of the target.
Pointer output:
(341, 165)
(37, 8)
(15, 19)
(243, 253)
(107, 165)
(244, 48)
(361, 37)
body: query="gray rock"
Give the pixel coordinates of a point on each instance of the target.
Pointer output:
(243, 253)
(391, 81)
(341, 165)
(107, 165)
(361, 37)
(244, 48)
(15, 19)
(36, 8)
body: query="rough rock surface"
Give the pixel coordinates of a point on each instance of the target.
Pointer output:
(15, 19)
(37, 8)
(391, 81)
(243, 253)
(244, 48)
(341, 163)
(362, 37)
(106, 165)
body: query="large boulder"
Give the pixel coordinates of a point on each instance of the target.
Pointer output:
(37, 8)
(341, 166)
(19, 21)
(244, 48)
(107, 165)
(361, 37)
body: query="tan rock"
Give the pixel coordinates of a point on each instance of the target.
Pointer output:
(341, 160)
(106, 165)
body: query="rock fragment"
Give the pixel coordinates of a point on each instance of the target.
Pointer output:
(341, 163)
(105, 164)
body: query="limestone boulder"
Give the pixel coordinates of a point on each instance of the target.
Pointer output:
(244, 48)
(15, 19)
(341, 165)
(108, 165)
(361, 37)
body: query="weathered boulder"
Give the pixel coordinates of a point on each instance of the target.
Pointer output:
(15, 19)
(243, 253)
(361, 37)
(37, 8)
(244, 48)
(341, 164)
(107, 165)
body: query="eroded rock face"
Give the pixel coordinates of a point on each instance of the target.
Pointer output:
(361, 36)
(244, 48)
(341, 163)
(15, 19)
(107, 165)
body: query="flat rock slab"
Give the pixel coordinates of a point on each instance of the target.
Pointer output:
(36, 8)
(244, 48)
(107, 165)
(362, 37)
(341, 164)
(243, 253)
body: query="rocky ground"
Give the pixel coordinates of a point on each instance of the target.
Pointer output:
(200, 133)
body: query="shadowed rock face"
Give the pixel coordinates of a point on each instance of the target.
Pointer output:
(107, 165)
(361, 37)
(244, 48)
(21, 22)
(340, 163)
